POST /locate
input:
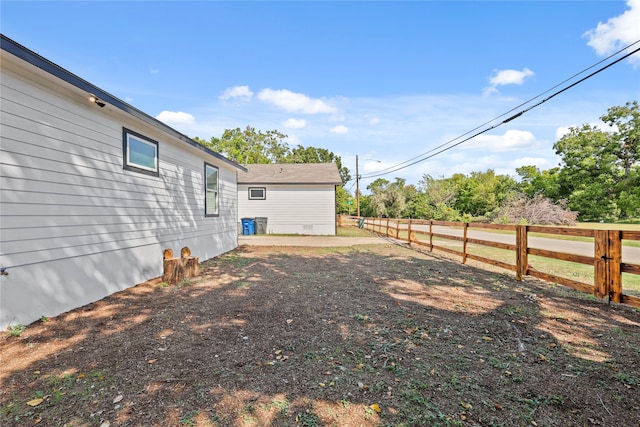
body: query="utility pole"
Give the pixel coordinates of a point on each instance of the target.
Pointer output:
(357, 188)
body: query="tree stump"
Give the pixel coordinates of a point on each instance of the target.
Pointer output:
(178, 269)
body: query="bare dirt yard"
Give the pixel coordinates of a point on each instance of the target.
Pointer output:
(367, 335)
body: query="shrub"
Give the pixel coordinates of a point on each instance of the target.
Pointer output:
(538, 209)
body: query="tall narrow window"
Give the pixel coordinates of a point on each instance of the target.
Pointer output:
(140, 153)
(211, 190)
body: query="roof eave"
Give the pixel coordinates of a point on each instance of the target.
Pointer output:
(36, 60)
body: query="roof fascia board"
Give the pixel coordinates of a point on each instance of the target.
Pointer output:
(38, 61)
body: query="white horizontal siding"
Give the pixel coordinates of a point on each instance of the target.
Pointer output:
(75, 226)
(292, 209)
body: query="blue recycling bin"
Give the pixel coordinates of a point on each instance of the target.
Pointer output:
(248, 226)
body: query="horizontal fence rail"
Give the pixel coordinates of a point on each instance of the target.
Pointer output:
(454, 238)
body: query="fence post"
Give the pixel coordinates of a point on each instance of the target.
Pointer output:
(386, 231)
(409, 231)
(464, 243)
(522, 244)
(430, 235)
(614, 256)
(600, 269)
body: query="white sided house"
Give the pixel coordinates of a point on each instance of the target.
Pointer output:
(294, 198)
(93, 190)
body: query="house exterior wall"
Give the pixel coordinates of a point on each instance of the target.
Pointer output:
(292, 209)
(75, 226)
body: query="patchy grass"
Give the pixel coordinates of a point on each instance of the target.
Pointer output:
(580, 272)
(374, 335)
(354, 232)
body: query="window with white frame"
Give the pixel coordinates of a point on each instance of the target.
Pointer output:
(257, 193)
(211, 195)
(140, 153)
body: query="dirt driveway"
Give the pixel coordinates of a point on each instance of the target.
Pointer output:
(364, 335)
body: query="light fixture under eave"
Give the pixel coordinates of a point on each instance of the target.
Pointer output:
(96, 100)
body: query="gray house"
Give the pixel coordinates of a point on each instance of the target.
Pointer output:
(294, 198)
(92, 190)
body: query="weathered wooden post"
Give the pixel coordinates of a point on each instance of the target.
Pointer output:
(522, 244)
(600, 268)
(464, 242)
(430, 235)
(614, 256)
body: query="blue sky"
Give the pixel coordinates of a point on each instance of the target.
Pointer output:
(386, 81)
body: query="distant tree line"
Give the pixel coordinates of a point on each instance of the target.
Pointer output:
(598, 178)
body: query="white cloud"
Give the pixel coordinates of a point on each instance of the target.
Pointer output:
(507, 77)
(481, 163)
(509, 141)
(617, 32)
(372, 166)
(242, 92)
(374, 121)
(412, 125)
(295, 102)
(154, 71)
(510, 77)
(295, 123)
(176, 118)
(339, 129)
(292, 140)
(489, 90)
(562, 131)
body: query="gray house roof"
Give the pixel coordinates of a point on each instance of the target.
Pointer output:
(290, 173)
(36, 60)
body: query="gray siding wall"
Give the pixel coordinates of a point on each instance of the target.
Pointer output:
(75, 226)
(292, 209)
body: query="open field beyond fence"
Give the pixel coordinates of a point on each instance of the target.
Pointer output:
(602, 262)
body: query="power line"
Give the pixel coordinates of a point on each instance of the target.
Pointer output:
(421, 157)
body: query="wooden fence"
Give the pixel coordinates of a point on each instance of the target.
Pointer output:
(606, 260)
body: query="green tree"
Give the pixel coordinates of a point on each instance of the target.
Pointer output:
(533, 181)
(600, 169)
(435, 198)
(418, 207)
(482, 193)
(387, 198)
(442, 190)
(625, 141)
(365, 206)
(302, 154)
(342, 199)
(249, 146)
